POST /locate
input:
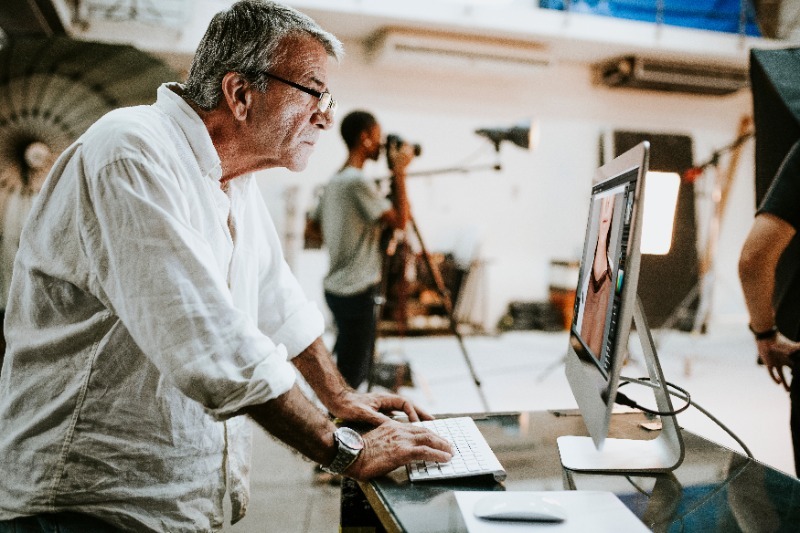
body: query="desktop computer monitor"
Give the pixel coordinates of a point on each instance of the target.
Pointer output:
(606, 305)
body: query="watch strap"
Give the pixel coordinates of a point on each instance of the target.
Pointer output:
(345, 456)
(764, 335)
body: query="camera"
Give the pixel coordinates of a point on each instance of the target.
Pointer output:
(397, 142)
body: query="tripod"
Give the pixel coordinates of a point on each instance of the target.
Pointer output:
(398, 237)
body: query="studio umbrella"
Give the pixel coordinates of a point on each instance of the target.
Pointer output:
(51, 90)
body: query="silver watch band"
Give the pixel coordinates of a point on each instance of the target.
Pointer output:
(349, 445)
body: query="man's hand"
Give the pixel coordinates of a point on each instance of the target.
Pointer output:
(372, 407)
(394, 444)
(400, 158)
(776, 355)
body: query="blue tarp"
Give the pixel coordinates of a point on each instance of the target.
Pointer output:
(714, 15)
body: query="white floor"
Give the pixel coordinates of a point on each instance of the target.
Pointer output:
(523, 371)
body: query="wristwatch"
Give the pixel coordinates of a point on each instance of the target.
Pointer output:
(770, 333)
(349, 444)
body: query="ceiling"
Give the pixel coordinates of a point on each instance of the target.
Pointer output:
(164, 26)
(777, 18)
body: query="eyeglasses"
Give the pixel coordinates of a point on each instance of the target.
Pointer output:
(325, 102)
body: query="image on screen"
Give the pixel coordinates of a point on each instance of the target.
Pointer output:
(602, 273)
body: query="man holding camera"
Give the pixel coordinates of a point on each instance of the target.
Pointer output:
(352, 212)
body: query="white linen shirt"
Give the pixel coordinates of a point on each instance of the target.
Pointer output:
(137, 325)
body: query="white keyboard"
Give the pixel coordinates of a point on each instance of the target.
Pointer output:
(472, 455)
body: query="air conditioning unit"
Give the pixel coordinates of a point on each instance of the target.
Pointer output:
(431, 50)
(661, 75)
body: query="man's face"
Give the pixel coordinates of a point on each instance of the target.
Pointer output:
(373, 142)
(286, 121)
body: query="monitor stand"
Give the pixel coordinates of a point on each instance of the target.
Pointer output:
(662, 454)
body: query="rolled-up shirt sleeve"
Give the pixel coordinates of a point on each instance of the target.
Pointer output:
(284, 313)
(160, 276)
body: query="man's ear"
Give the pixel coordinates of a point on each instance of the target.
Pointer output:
(238, 94)
(366, 142)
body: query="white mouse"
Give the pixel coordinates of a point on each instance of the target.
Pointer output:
(519, 507)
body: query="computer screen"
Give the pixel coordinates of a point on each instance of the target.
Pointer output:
(598, 300)
(606, 306)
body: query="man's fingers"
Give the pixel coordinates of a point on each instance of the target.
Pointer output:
(423, 453)
(374, 417)
(773, 373)
(422, 414)
(393, 402)
(432, 440)
(398, 403)
(411, 411)
(783, 378)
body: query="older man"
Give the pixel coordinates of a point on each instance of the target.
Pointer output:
(151, 305)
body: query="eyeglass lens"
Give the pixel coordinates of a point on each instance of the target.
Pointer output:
(327, 103)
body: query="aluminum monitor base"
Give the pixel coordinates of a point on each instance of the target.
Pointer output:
(662, 454)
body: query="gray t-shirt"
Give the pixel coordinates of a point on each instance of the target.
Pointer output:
(348, 212)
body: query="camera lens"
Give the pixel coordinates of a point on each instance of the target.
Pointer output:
(397, 142)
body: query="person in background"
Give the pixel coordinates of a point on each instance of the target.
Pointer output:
(769, 271)
(352, 213)
(151, 307)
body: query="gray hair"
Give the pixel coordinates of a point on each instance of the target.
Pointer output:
(245, 39)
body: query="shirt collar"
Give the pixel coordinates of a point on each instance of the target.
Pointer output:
(170, 102)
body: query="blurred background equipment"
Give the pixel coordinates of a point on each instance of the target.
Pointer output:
(52, 89)
(422, 289)
(420, 284)
(523, 135)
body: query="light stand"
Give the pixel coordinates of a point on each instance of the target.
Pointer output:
(519, 135)
(701, 292)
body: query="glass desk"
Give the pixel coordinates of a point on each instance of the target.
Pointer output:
(714, 489)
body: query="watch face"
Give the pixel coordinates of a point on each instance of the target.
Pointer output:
(350, 438)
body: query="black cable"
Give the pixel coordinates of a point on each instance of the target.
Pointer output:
(686, 397)
(637, 487)
(624, 400)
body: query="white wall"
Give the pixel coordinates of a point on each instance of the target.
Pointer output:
(534, 210)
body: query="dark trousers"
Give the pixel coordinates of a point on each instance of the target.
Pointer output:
(794, 420)
(56, 523)
(355, 321)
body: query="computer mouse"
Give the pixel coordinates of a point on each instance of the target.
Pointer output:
(519, 507)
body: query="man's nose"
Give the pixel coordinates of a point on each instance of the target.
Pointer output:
(322, 120)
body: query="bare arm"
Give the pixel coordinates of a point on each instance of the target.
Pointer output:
(317, 367)
(295, 421)
(765, 243)
(398, 216)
